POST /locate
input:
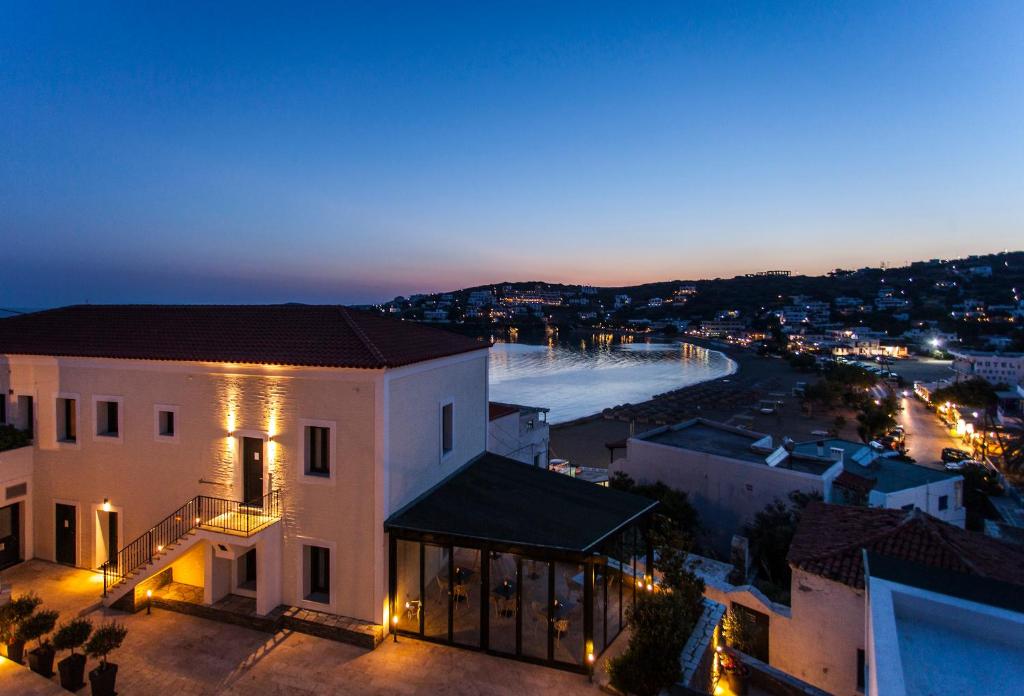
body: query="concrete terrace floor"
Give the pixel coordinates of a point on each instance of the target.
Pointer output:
(174, 653)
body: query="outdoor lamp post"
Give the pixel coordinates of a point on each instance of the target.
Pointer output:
(394, 628)
(149, 602)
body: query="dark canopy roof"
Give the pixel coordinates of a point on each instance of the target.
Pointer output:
(497, 499)
(288, 334)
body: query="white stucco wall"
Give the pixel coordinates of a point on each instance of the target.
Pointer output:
(386, 452)
(820, 641)
(512, 436)
(926, 498)
(726, 492)
(16, 468)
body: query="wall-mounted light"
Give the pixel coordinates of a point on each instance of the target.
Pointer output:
(106, 505)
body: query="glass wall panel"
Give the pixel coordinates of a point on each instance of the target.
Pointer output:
(435, 599)
(535, 609)
(408, 603)
(568, 614)
(616, 577)
(502, 605)
(466, 596)
(600, 604)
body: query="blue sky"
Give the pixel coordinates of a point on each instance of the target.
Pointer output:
(189, 153)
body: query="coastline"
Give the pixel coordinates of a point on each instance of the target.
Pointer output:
(728, 397)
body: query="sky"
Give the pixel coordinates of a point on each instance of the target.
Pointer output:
(220, 152)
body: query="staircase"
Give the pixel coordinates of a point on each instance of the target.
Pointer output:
(173, 535)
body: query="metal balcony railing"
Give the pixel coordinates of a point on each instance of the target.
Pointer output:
(201, 512)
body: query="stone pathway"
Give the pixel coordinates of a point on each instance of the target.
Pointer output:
(168, 652)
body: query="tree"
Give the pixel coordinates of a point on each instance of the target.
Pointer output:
(972, 392)
(105, 640)
(72, 635)
(770, 535)
(876, 418)
(37, 626)
(979, 483)
(14, 613)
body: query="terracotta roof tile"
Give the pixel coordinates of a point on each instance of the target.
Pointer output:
(289, 334)
(830, 539)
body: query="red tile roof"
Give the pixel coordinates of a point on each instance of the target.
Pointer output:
(289, 334)
(860, 484)
(830, 538)
(496, 410)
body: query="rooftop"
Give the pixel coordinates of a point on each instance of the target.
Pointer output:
(497, 409)
(707, 436)
(504, 501)
(889, 473)
(288, 334)
(928, 638)
(830, 539)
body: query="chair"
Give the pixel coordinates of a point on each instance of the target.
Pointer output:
(561, 626)
(442, 587)
(460, 593)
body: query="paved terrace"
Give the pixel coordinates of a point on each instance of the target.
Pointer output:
(167, 652)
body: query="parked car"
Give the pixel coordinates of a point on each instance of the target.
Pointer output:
(952, 454)
(963, 464)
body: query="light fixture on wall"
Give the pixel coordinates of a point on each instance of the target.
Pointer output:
(106, 505)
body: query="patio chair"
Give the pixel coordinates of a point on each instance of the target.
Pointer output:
(442, 587)
(460, 593)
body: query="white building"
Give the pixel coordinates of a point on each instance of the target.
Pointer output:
(518, 432)
(932, 630)
(730, 474)
(622, 301)
(991, 366)
(318, 421)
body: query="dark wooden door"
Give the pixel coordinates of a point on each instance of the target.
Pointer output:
(10, 535)
(66, 539)
(112, 540)
(252, 470)
(759, 624)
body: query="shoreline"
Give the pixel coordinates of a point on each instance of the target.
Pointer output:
(737, 367)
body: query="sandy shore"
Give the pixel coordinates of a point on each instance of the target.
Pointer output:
(729, 399)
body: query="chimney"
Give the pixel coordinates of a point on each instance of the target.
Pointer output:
(821, 448)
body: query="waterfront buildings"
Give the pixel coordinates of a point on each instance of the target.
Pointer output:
(991, 366)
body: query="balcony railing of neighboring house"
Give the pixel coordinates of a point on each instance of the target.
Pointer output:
(233, 517)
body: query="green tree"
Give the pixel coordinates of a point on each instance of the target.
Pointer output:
(770, 535)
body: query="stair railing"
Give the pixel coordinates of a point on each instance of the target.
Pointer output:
(201, 512)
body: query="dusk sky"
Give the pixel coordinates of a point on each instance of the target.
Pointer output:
(254, 153)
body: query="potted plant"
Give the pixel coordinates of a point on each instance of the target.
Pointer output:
(11, 616)
(105, 639)
(72, 668)
(37, 627)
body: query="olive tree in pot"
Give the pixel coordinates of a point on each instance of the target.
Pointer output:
(12, 615)
(72, 668)
(37, 627)
(105, 639)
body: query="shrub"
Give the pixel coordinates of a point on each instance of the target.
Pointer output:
(72, 635)
(12, 438)
(105, 640)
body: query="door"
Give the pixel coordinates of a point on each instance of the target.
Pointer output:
(112, 540)
(252, 471)
(66, 540)
(757, 624)
(10, 535)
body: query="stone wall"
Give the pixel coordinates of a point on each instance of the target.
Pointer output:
(699, 652)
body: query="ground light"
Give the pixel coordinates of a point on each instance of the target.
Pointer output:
(394, 628)
(149, 601)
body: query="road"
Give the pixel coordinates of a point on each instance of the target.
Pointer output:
(926, 435)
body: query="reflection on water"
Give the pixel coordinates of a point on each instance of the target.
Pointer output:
(579, 377)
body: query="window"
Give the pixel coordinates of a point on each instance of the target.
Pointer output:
(447, 429)
(943, 502)
(25, 415)
(317, 574)
(107, 412)
(67, 419)
(318, 450)
(165, 422)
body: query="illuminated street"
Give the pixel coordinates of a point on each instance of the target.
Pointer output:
(926, 436)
